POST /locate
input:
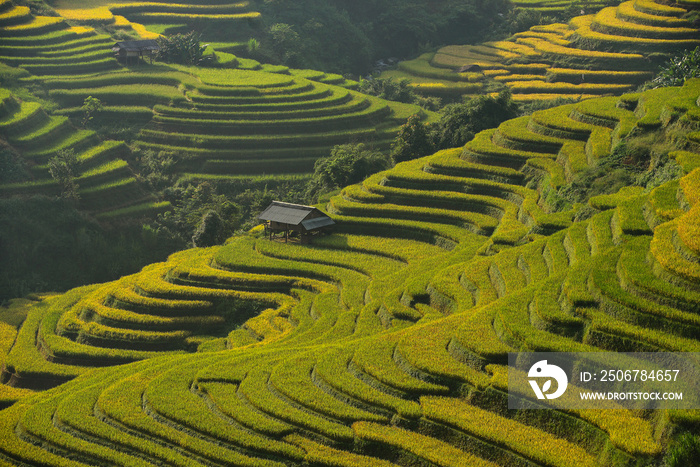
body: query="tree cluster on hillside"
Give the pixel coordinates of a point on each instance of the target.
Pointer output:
(399, 91)
(458, 124)
(64, 169)
(347, 37)
(346, 164)
(184, 48)
(413, 141)
(193, 205)
(157, 169)
(12, 165)
(678, 70)
(211, 230)
(46, 244)
(352, 163)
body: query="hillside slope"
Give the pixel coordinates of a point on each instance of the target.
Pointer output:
(106, 184)
(386, 342)
(332, 35)
(241, 120)
(606, 53)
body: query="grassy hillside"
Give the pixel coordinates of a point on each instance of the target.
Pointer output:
(240, 124)
(385, 343)
(558, 6)
(606, 53)
(246, 119)
(334, 35)
(106, 184)
(238, 121)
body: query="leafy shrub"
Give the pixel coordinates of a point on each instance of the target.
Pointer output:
(460, 122)
(679, 69)
(413, 141)
(91, 106)
(387, 88)
(285, 42)
(191, 204)
(157, 167)
(401, 90)
(210, 231)
(184, 49)
(347, 164)
(63, 169)
(12, 168)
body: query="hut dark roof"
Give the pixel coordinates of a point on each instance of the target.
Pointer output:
(317, 223)
(474, 67)
(295, 214)
(137, 46)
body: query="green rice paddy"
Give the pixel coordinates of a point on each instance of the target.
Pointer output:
(605, 53)
(383, 343)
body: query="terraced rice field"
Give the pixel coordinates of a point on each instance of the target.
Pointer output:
(106, 183)
(282, 124)
(233, 122)
(244, 120)
(553, 6)
(386, 342)
(49, 46)
(236, 21)
(606, 53)
(236, 14)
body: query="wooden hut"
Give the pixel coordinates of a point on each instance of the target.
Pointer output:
(473, 68)
(130, 50)
(305, 221)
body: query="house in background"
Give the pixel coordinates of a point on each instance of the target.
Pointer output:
(127, 51)
(305, 221)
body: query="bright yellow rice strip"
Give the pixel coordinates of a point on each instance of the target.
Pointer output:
(88, 14)
(141, 30)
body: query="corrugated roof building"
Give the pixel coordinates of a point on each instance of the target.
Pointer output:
(287, 217)
(136, 49)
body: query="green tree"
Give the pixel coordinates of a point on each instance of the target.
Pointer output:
(324, 36)
(210, 231)
(285, 42)
(412, 141)
(184, 49)
(460, 122)
(390, 89)
(157, 167)
(12, 166)
(91, 106)
(191, 203)
(64, 169)
(399, 91)
(252, 45)
(347, 164)
(679, 69)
